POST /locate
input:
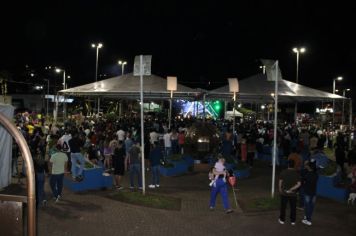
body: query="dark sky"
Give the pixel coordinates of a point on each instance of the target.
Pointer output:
(198, 41)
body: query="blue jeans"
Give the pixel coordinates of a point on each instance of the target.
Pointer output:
(155, 175)
(309, 203)
(135, 169)
(56, 183)
(75, 158)
(168, 151)
(175, 146)
(40, 181)
(221, 187)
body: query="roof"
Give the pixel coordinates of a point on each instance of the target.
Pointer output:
(258, 89)
(128, 86)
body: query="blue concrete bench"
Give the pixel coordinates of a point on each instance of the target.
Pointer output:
(93, 179)
(179, 167)
(327, 188)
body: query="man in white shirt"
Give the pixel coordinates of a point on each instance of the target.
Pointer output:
(120, 135)
(167, 143)
(154, 136)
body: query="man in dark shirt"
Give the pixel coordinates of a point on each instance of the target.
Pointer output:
(155, 157)
(77, 158)
(310, 181)
(134, 159)
(289, 182)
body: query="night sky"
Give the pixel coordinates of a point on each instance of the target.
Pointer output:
(198, 42)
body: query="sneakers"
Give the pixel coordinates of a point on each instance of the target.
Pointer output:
(57, 199)
(211, 208)
(140, 188)
(292, 223)
(151, 186)
(119, 187)
(157, 185)
(229, 211)
(306, 222)
(281, 222)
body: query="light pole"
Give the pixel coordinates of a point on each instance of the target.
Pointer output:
(64, 87)
(297, 51)
(343, 104)
(338, 79)
(122, 63)
(263, 69)
(97, 46)
(47, 97)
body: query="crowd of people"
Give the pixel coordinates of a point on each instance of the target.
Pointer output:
(115, 146)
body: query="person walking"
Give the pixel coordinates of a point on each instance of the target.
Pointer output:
(58, 166)
(155, 157)
(310, 181)
(220, 186)
(289, 182)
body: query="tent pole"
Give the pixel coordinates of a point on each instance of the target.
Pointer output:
(275, 131)
(142, 129)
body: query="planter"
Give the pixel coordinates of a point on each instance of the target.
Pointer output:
(242, 174)
(93, 179)
(326, 188)
(180, 167)
(189, 160)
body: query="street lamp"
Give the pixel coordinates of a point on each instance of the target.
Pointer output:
(64, 87)
(298, 51)
(334, 90)
(343, 104)
(263, 69)
(97, 46)
(47, 96)
(122, 63)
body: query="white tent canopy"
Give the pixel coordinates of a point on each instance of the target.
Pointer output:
(258, 89)
(128, 86)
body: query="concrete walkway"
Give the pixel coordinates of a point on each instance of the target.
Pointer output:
(92, 213)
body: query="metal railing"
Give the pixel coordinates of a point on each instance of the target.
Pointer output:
(31, 194)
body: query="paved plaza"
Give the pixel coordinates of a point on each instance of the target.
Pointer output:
(93, 213)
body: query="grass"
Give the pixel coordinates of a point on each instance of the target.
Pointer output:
(260, 204)
(149, 200)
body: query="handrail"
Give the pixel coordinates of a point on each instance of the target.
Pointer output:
(30, 173)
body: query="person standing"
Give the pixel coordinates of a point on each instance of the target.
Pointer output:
(119, 160)
(167, 143)
(40, 171)
(75, 145)
(155, 157)
(310, 181)
(134, 160)
(58, 166)
(289, 182)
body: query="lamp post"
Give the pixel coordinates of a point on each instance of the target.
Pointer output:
(263, 69)
(297, 51)
(171, 86)
(122, 63)
(47, 97)
(338, 79)
(343, 104)
(97, 46)
(234, 88)
(64, 87)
